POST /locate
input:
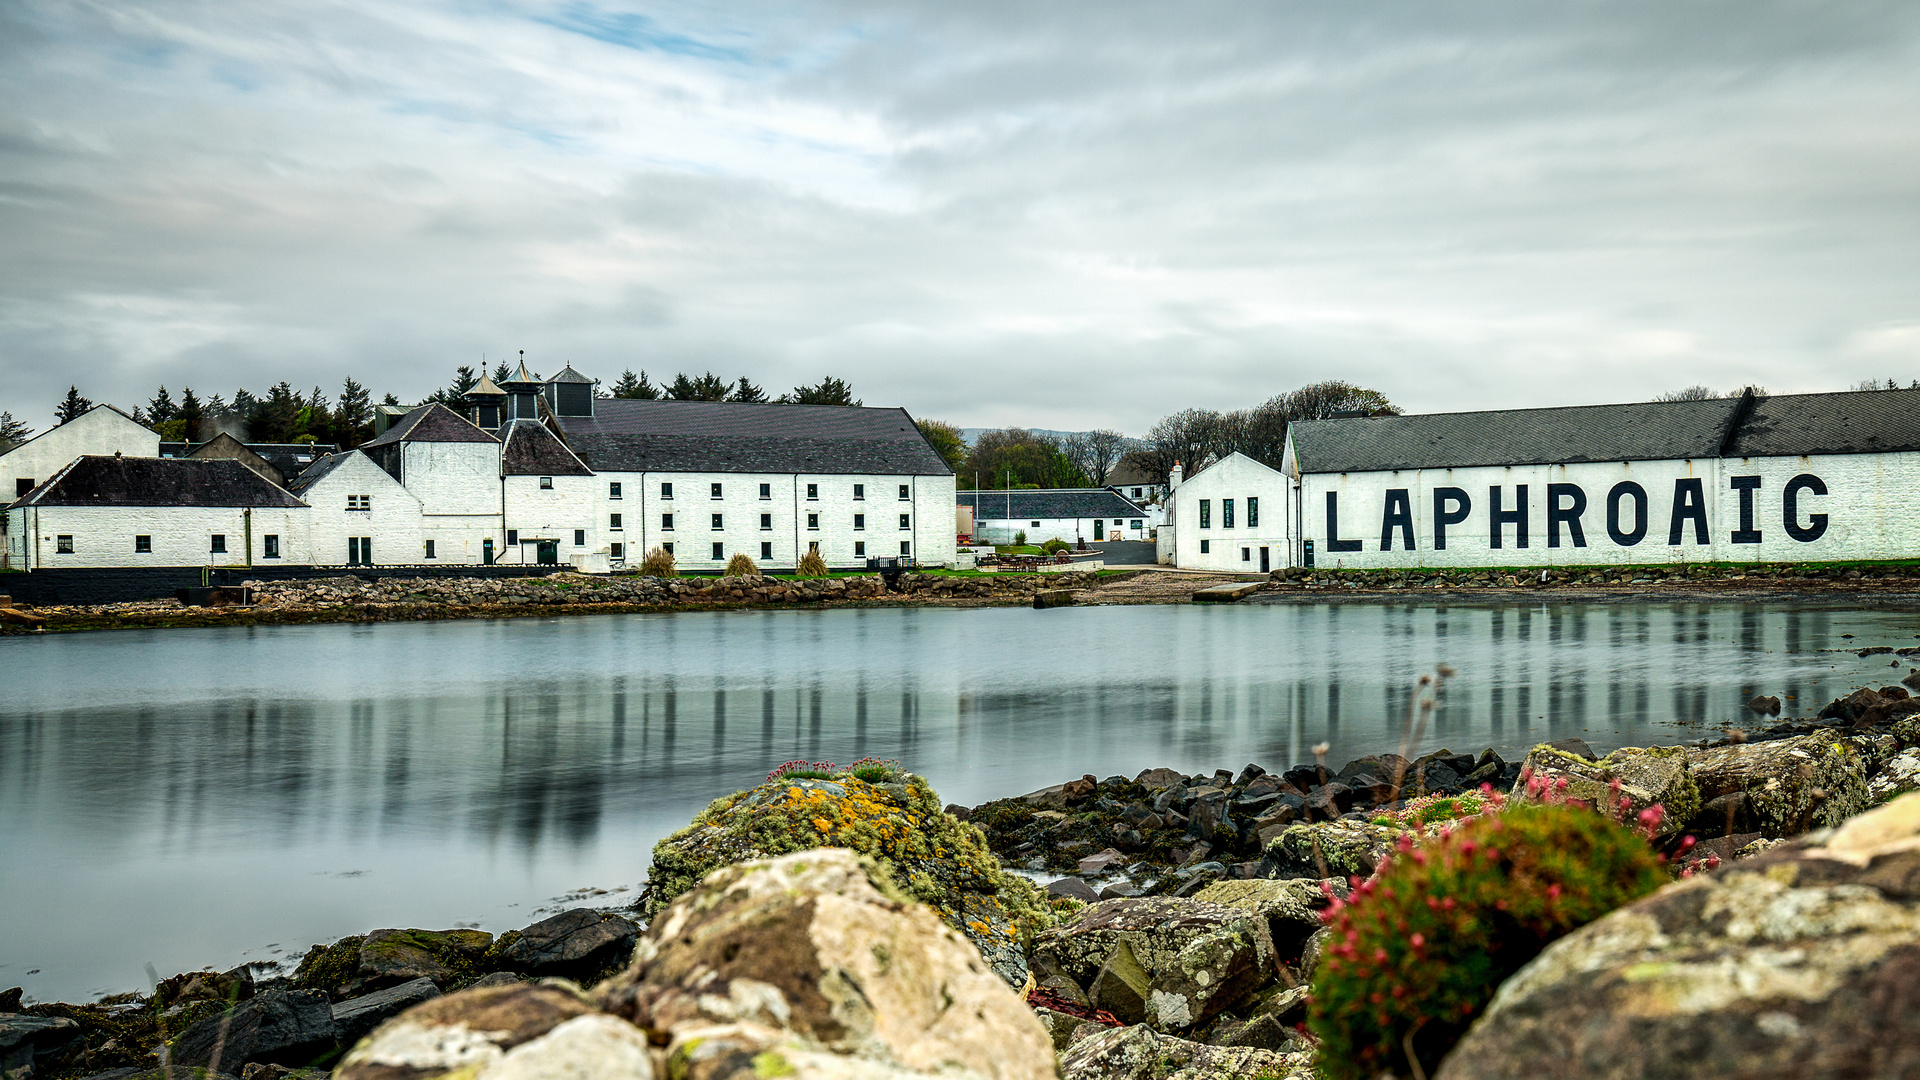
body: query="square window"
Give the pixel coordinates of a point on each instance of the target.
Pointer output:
(513, 537)
(1253, 513)
(666, 523)
(618, 551)
(906, 491)
(813, 521)
(270, 546)
(666, 491)
(859, 521)
(716, 490)
(1204, 546)
(904, 520)
(219, 544)
(546, 483)
(766, 521)
(766, 549)
(1246, 554)
(613, 523)
(1206, 513)
(813, 546)
(579, 538)
(906, 547)
(717, 522)
(766, 491)
(1226, 513)
(860, 491)
(1136, 493)
(719, 551)
(813, 491)
(63, 544)
(667, 547)
(1033, 525)
(429, 549)
(1136, 523)
(1116, 521)
(613, 489)
(860, 549)
(143, 544)
(22, 487)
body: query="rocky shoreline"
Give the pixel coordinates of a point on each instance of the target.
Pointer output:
(1170, 930)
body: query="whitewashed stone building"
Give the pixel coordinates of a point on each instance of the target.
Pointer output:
(360, 516)
(1068, 514)
(118, 511)
(102, 430)
(453, 468)
(551, 511)
(1231, 515)
(1750, 479)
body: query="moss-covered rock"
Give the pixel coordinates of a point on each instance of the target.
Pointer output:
(1646, 777)
(1791, 785)
(933, 856)
(1323, 849)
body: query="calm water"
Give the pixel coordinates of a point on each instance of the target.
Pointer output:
(203, 797)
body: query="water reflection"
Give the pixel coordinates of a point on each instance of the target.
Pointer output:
(179, 796)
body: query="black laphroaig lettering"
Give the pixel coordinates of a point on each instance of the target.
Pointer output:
(1517, 517)
(1445, 515)
(1334, 543)
(1816, 526)
(1746, 486)
(1689, 504)
(1627, 489)
(1398, 514)
(1568, 514)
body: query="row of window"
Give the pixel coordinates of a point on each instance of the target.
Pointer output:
(719, 552)
(766, 522)
(1226, 513)
(143, 544)
(717, 491)
(1246, 553)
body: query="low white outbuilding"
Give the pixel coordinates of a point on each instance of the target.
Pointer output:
(359, 515)
(1231, 516)
(1043, 514)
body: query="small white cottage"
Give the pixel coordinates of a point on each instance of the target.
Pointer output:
(360, 516)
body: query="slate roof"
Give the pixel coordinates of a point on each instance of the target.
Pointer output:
(432, 422)
(628, 435)
(318, 471)
(96, 480)
(1868, 421)
(568, 375)
(1050, 503)
(532, 450)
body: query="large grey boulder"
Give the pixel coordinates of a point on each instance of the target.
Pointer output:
(1791, 785)
(355, 1018)
(1798, 962)
(23, 1037)
(469, 1033)
(283, 1027)
(572, 943)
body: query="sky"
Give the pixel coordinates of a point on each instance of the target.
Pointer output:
(1066, 215)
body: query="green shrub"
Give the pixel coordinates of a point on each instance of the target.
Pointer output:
(876, 770)
(742, 566)
(659, 563)
(1020, 538)
(811, 565)
(1055, 546)
(1420, 949)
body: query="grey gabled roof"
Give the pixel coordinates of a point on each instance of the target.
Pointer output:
(97, 480)
(432, 422)
(568, 375)
(532, 450)
(1866, 421)
(628, 435)
(318, 471)
(1047, 503)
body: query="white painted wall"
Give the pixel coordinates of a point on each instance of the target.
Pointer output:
(393, 519)
(570, 506)
(1871, 509)
(100, 430)
(181, 535)
(458, 485)
(1236, 548)
(848, 529)
(1000, 530)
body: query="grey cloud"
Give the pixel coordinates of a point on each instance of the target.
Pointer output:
(1063, 215)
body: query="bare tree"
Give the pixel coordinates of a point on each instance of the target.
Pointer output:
(1192, 437)
(1691, 393)
(1095, 452)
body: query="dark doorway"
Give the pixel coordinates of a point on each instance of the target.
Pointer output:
(1263, 560)
(547, 553)
(486, 551)
(1099, 528)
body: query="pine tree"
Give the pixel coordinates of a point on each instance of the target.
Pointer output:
(635, 387)
(708, 387)
(161, 409)
(829, 391)
(278, 417)
(390, 401)
(12, 432)
(73, 407)
(353, 418)
(501, 373)
(191, 416)
(747, 393)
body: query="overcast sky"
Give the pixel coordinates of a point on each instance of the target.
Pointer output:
(1059, 215)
